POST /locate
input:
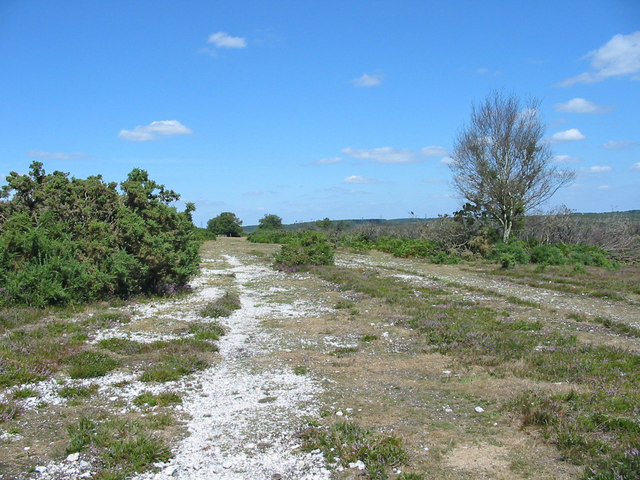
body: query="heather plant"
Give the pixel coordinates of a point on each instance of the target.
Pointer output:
(66, 240)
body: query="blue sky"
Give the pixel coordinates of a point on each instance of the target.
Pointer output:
(313, 109)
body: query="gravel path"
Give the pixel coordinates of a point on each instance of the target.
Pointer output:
(244, 418)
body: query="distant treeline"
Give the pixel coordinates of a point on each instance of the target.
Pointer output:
(631, 215)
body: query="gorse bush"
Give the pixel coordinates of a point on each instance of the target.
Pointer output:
(519, 252)
(305, 248)
(66, 240)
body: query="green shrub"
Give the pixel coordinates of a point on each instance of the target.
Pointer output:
(547, 254)
(65, 241)
(226, 224)
(270, 236)
(515, 249)
(306, 248)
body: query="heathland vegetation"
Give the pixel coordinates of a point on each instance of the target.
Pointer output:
(78, 256)
(67, 240)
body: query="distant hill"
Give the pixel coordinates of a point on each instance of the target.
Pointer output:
(633, 215)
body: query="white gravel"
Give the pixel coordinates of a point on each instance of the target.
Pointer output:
(243, 417)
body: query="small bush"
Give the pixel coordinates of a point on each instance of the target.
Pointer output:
(305, 249)
(547, 254)
(515, 249)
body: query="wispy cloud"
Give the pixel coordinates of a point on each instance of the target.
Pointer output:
(367, 80)
(566, 159)
(485, 71)
(619, 57)
(224, 40)
(604, 187)
(434, 151)
(600, 169)
(580, 105)
(635, 166)
(447, 160)
(571, 135)
(57, 156)
(618, 144)
(328, 161)
(381, 155)
(359, 179)
(154, 131)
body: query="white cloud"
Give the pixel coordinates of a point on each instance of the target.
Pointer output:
(367, 80)
(434, 151)
(154, 131)
(580, 105)
(57, 156)
(570, 135)
(381, 155)
(484, 71)
(618, 144)
(600, 169)
(619, 57)
(359, 179)
(223, 40)
(635, 166)
(447, 160)
(565, 159)
(328, 161)
(604, 187)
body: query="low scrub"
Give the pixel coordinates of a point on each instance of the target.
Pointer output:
(518, 252)
(124, 447)
(304, 249)
(270, 236)
(90, 364)
(222, 307)
(598, 429)
(171, 367)
(346, 443)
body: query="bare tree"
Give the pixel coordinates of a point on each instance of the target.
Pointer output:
(501, 162)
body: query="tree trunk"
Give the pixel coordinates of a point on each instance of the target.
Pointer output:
(506, 232)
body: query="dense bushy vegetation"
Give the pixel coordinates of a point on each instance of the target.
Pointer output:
(270, 222)
(67, 240)
(270, 236)
(225, 224)
(305, 248)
